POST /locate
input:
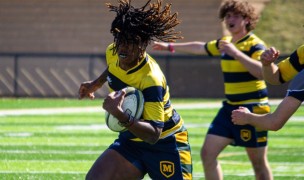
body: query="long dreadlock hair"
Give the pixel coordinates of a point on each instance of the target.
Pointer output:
(142, 25)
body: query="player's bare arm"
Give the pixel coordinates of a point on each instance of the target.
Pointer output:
(272, 121)
(88, 88)
(195, 47)
(270, 70)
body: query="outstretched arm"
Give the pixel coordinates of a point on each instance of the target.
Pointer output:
(194, 47)
(272, 121)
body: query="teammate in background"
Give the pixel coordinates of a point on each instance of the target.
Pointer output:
(157, 143)
(244, 86)
(284, 71)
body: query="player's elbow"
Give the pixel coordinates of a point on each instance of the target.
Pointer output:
(276, 126)
(153, 138)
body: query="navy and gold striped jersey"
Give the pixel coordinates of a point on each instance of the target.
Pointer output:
(240, 86)
(148, 78)
(292, 65)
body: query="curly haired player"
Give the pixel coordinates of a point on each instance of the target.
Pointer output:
(244, 86)
(157, 143)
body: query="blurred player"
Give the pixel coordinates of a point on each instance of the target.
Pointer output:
(284, 71)
(157, 143)
(244, 85)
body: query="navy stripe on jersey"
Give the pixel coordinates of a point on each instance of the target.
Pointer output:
(227, 57)
(255, 48)
(249, 53)
(115, 83)
(174, 119)
(294, 60)
(281, 78)
(157, 124)
(139, 66)
(245, 96)
(217, 44)
(297, 94)
(154, 94)
(238, 77)
(167, 105)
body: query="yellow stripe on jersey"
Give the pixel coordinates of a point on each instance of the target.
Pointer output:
(257, 55)
(235, 66)
(244, 87)
(292, 65)
(261, 109)
(185, 157)
(212, 48)
(182, 137)
(288, 72)
(262, 139)
(250, 101)
(157, 113)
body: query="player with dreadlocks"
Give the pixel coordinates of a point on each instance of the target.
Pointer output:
(157, 143)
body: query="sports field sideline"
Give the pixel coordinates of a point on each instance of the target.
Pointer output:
(45, 111)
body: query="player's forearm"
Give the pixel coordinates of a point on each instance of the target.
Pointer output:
(263, 121)
(252, 65)
(145, 131)
(195, 47)
(97, 83)
(271, 74)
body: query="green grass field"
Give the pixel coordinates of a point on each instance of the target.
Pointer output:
(56, 144)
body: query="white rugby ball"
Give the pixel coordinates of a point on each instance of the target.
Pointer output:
(133, 105)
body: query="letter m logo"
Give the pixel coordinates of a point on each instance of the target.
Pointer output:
(167, 168)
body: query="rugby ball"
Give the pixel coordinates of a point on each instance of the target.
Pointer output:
(133, 105)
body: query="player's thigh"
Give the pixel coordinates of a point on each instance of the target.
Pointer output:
(213, 145)
(257, 155)
(111, 165)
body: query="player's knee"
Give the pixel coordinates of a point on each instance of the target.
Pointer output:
(205, 156)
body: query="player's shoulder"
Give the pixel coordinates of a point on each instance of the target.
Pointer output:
(154, 75)
(255, 43)
(109, 49)
(256, 39)
(300, 50)
(110, 57)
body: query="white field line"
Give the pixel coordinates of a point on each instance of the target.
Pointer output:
(71, 110)
(47, 152)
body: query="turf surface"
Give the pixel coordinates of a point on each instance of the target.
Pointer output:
(64, 145)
